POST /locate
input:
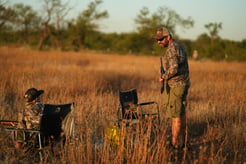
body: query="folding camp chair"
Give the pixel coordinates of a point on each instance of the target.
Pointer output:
(131, 111)
(57, 125)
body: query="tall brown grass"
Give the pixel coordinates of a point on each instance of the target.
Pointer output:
(215, 113)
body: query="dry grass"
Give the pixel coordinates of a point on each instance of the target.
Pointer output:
(216, 111)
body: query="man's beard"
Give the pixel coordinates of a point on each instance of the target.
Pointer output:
(164, 44)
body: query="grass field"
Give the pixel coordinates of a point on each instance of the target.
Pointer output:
(215, 112)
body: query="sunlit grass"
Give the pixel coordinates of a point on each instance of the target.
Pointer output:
(215, 113)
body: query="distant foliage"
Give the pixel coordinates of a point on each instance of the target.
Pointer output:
(220, 49)
(21, 25)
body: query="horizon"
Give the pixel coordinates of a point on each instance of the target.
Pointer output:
(120, 21)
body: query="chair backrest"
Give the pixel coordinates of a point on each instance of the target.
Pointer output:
(128, 99)
(56, 119)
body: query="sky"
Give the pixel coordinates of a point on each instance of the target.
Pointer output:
(231, 13)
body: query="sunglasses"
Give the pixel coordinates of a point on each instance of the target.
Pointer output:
(161, 39)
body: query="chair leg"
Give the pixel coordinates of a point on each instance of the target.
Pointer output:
(40, 147)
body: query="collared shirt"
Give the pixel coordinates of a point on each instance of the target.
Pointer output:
(176, 65)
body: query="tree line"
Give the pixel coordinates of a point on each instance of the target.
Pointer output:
(20, 24)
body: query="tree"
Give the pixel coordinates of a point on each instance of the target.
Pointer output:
(168, 18)
(6, 14)
(25, 21)
(213, 29)
(53, 20)
(3, 15)
(87, 22)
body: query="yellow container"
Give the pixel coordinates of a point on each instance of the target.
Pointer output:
(114, 135)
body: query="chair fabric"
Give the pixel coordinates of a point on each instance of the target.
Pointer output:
(129, 104)
(57, 119)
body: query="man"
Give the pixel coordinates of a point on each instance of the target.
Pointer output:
(177, 81)
(31, 116)
(33, 108)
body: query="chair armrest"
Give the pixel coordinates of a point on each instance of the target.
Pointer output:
(20, 129)
(148, 103)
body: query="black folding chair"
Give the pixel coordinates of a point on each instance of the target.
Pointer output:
(130, 110)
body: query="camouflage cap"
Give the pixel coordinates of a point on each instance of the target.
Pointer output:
(162, 32)
(32, 93)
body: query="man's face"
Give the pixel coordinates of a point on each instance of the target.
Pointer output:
(163, 42)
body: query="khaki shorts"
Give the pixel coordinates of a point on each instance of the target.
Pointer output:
(173, 100)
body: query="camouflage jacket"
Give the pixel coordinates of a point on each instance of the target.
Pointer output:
(176, 65)
(32, 115)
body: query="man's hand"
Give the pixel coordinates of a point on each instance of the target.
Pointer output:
(160, 77)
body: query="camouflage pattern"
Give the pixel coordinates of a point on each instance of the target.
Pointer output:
(176, 65)
(31, 116)
(162, 32)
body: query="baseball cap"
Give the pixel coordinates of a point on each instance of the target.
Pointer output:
(162, 32)
(32, 94)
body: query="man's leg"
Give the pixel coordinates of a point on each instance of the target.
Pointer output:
(178, 131)
(178, 105)
(176, 128)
